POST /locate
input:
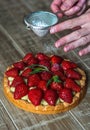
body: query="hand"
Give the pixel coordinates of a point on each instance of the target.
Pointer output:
(56, 6)
(70, 7)
(76, 38)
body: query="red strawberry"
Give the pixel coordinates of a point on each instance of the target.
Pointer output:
(68, 64)
(33, 80)
(42, 56)
(45, 63)
(27, 57)
(43, 85)
(55, 67)
(45, 75)
(61, 75)
(66, 95)
(32, 61)
(20, 91)
(13, 72)
(56, 85)
(19, 65)
(35, 96)
(73, 74)
(51, 97)
(72, 85)
(26, 72)
(56, 59)
(17, 80)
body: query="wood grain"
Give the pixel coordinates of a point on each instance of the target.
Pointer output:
(15, 42)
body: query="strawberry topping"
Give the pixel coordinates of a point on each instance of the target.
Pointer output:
(20, 91)
(35, 96)
(66, 95)
(17, 80)
(56, 85)
(56, 59)
(51, 97)
(32, 61)
(27, 57)
(45, 63)
(45, 75)
(33, 80)
(70, 73)
(68, 65)
(55, 67)
(13, 72)
(26, 72)
(61, 75)
(41, 77)
(41, 56)
(19, 65)
(43, 85)
(70, 83)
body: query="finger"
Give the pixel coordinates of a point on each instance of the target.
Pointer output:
(68, 4)
(80, 42)
(81, 3)
(82, 10)
(55, 6)
(72, 37)
(69, 24)
(63, 1)
(72, 11)
(79, 6)
(76, 8)
(85, 50)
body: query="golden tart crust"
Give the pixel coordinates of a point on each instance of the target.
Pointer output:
(47, 109)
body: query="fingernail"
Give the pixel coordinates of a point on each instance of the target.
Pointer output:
(65, 49)
(80, 54)
(52, 30)
(56, 45)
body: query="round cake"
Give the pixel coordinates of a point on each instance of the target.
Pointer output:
(44, 84)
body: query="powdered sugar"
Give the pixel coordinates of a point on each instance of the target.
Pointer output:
(38, 22)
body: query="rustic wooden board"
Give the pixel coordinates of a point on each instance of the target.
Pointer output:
(6, 121)
(15, 42)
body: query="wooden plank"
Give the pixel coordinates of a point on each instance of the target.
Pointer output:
(5, 121)
(28, 121)
(15, 41)
(61, 121)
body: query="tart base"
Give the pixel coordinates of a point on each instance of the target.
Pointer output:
(41, 109)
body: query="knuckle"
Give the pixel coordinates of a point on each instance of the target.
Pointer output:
(85, 39)
(67, 4)
(77, 34)
(71, 23)
(72, 46)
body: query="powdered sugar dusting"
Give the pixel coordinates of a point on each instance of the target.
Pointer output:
(39, 22)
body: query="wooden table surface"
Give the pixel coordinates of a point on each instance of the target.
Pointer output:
(15, 42)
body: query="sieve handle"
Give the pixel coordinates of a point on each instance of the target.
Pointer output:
(28, 28)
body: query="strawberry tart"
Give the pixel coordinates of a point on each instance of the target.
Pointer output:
(44, 84)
